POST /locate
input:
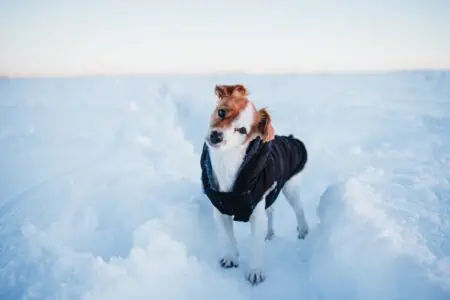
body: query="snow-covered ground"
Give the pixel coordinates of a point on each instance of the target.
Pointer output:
(100, 194)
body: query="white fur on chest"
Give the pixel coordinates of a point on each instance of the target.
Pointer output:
(225, 165)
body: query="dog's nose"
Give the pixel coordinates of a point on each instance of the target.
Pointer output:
(216, 137)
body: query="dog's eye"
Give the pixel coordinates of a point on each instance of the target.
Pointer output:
(241, 130)
(221, 113)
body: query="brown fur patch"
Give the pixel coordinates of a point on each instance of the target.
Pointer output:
(262, 126)
(265, 125)
(232, 99)
(237, 90)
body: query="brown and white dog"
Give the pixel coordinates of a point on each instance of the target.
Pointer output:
(234, 124)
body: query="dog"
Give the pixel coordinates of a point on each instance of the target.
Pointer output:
(244, 168)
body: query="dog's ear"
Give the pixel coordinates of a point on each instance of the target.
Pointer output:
(265, 125)
(221, 91)
(237, 90)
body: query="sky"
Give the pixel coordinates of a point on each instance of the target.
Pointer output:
(58, 37)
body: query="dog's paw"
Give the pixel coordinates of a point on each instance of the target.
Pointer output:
(270, 234)
(302, 232)
(255, 276)
(228, 263)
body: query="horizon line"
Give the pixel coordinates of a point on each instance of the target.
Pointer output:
(215, 73)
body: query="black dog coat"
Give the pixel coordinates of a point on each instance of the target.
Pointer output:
(263, 165)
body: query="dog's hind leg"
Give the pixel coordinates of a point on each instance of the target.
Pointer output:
(291, 192)
(270, 230)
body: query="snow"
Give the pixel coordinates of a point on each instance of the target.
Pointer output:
(100, 192)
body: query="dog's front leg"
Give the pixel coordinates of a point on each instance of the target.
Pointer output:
(230, 258)
(258, 223)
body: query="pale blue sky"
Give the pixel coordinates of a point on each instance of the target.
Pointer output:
(97, 36)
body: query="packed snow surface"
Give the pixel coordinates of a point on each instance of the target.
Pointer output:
(100, 194)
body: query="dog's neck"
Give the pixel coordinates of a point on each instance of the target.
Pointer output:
(226, 164)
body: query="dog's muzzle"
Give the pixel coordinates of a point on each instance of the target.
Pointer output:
(216, 137)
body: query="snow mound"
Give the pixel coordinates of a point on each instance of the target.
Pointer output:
(382, 258)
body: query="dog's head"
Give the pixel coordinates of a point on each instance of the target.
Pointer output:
(235, 120)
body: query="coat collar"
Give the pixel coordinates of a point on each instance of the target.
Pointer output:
(254, 161)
